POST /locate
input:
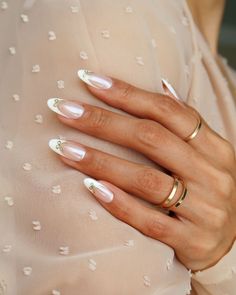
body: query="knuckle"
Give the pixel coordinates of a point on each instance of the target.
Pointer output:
(168, 105)
(219, 219)
(155, 227)
(125, 90)
(97, 118)
(229, 152)
(100, 164)
(225, 184)
(124, 213)
(148, 133)
(147, 180)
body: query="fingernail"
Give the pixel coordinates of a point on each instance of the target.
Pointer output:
(98, 190)
(65, 108)
(167, 85)
(67, 149)
(96, 80)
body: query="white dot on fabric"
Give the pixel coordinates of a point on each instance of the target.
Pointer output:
(83, 55)
(139, 60)
(24, 18)
(60, 84)
(12, 50)
(56, 189)
(9, 200)
(4, 5)
(27, 166)
(129, 243)
(64, 250)
(56, 292)
(185, 21)
(35, 69)
(3, 286)
(128, 9)
(105, 34)
(93, 214)
(9, 145)
(36, 225)
(38, 119)
(92, 264)
(7, 248)
(146, 281)
(154, 43)
(27, 270)
(51, 36)
(16, 97)
(169, 264)
(74, 9)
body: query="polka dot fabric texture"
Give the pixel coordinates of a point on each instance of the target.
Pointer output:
(55, 238)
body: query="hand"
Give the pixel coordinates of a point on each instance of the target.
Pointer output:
(203, 228)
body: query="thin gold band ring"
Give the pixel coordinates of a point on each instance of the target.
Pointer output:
(195, 131)
(167, 201)
(170, 197)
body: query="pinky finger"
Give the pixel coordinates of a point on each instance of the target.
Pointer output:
(128, 209)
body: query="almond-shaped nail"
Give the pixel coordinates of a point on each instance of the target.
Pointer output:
(66, 108)
(99, 190)
(96, 80)
(170, 88)
(67, 149)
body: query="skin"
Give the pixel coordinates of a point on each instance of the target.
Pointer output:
(208, 15)
(203, 229)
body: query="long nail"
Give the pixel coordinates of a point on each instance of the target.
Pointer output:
(96, 80)
(169, 88)
(67, 149)
(66, 108)
(99, 190)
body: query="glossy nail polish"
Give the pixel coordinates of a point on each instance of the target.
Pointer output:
(66, 108)
(67, 149)
(96, 80)
(99, 190)
(167, 85)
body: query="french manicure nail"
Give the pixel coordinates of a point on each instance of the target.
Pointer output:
(99, 190)
(67, 149)
(66, 108)
(167, 85)
(96, 80)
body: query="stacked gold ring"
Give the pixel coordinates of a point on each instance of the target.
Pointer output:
(166, 203)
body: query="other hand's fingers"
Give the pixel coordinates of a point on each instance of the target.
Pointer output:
(146, 136)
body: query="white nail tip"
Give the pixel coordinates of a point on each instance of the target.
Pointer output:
(99, 190)
(53, 105)
(94, 80)
(55, 145)
(170, 88)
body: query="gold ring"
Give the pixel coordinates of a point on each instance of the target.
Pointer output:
(181, 198)
(167, 201)
(195, 131)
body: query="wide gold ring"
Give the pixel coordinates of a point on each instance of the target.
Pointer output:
(195, 131)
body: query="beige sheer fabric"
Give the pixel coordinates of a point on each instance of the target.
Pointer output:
(55, 238)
